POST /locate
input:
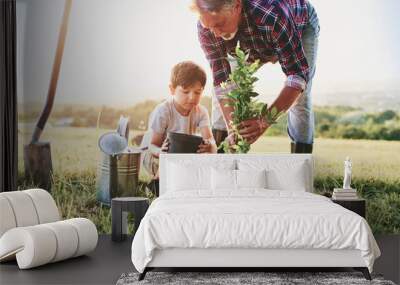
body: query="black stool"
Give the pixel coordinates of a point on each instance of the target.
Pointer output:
(119, 214)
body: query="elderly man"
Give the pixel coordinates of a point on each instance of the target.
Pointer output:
(284, 30)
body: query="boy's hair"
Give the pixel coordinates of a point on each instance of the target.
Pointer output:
(186, 74)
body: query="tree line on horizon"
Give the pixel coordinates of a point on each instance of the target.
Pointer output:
(330, 121)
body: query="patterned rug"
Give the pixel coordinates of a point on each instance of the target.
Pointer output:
(243, 278)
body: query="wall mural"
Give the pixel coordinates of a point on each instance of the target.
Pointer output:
(95, 76)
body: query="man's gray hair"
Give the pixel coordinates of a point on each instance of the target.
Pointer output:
(212, 5)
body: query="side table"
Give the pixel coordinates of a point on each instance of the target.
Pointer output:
(356, 205)
(119, 214)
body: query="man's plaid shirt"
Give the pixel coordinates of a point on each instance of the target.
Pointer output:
(267, 28)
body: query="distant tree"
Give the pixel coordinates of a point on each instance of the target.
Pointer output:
(109, 117)
(322, 116)
(139, 113)
(330, 121)
(385, 116)
(379, 132)
(323, 128)
(394, 134)
(78, 122)
(354, 133)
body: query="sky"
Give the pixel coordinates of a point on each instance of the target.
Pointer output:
(121, 52)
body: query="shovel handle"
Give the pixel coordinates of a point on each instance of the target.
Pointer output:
(54, 74)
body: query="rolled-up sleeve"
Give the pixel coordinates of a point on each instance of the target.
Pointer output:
(287, 44)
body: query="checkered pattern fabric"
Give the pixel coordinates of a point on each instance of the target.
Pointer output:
(267, 28)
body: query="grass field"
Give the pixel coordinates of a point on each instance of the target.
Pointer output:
(75, 150)
(376, 168)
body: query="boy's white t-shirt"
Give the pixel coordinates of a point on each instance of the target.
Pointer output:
(165, 118)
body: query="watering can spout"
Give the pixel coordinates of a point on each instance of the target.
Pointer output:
(123, 127)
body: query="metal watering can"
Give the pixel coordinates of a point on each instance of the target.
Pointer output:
(119, 166)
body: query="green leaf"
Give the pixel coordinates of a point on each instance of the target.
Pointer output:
(246, 58)
(264, 110)
(243, 99)
(254, 66)
(254, 79)
(274, 111)
(239, 52)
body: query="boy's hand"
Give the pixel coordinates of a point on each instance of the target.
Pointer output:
(205, 147)
(165, 146)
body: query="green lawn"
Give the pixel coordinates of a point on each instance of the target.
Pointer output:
(377, 159)
(75, 149)
(376, 168)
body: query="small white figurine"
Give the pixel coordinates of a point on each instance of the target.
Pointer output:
(347, 174)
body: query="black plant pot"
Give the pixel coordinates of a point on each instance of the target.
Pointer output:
(183, 143)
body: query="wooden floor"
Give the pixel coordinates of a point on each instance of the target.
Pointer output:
(110, 260)
(103, 266)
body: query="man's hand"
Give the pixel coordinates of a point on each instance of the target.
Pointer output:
(229, 142)
(252, 129)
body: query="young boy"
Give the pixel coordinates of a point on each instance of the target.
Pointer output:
(181, 113)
